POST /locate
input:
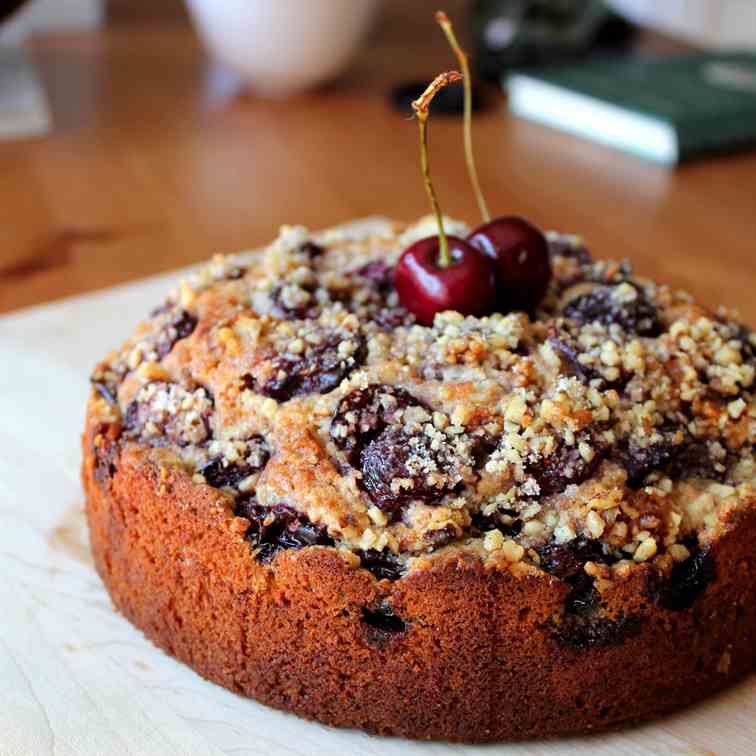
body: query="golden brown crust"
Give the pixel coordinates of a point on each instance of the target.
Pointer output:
(471, 650)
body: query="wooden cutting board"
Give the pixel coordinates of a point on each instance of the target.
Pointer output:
(77, 679)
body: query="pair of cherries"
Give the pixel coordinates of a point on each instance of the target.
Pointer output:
(502, 265)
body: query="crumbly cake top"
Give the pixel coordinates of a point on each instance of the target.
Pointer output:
(617, 422)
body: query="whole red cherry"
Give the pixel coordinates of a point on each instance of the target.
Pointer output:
(442, 272)
(519, 248)
(521, 254)
(467, 284)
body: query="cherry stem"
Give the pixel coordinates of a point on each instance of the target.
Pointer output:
(446, 26)
(420, 106)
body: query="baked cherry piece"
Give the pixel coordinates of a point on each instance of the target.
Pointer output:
(425, 287)
(521, 254)
(442, 272)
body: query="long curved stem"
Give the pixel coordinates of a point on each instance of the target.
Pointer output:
(420, 106)
(446, 26)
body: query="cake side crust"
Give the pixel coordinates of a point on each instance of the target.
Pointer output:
(458, 649)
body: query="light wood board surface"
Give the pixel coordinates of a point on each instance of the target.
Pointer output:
(77, 680)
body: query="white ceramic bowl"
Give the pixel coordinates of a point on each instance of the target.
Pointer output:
(283, 46)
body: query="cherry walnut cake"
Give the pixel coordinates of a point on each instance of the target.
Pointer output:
(492, 527)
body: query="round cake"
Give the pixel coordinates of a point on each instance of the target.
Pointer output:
(521, 524)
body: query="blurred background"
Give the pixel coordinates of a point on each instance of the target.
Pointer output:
(140, 136)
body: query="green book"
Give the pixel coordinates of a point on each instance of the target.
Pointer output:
(664, 109)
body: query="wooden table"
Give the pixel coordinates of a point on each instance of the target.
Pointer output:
(159, 160)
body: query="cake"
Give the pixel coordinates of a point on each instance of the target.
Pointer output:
(490, 527)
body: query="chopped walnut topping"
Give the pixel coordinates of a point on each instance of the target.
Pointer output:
(617, 424)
